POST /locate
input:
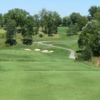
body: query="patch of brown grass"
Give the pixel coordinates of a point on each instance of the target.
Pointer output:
(96, 61)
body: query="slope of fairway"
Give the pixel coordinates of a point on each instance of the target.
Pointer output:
(31, 75)
(47, 85)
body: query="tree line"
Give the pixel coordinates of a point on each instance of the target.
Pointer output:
(20, 21)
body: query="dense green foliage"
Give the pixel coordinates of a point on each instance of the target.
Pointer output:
(1, 20)
(11, 30)
(90, 35)
(27, 31)
(75, 22)
(19, 15)
(49, 21)
(28, 25)
(21, 19)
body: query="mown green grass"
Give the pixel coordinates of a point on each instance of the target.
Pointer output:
(47, 85)
(31, 75)
(28, 75)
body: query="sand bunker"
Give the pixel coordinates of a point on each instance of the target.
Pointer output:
(51, 51)
(36, 49)
(47, 51)
(27, 49)
(43, 51)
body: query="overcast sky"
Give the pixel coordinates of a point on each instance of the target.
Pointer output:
(63, 7)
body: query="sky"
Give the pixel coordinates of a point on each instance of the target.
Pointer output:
(63, 7)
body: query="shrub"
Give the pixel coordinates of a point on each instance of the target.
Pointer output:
(10, 42)
(85, 55)
(27, 41)
(40, 35)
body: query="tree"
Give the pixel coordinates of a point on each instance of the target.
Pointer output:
(97, 16)
(27, 31)
(22, 20)
(19, 15)
(1, 20)
(77, 22)
(73, 29)
(56, 18)
(66, 21)
(90, 37)
(11, 30)
(75, 17)
(86, 54)
(43, 20)
(93, 10)
(56, 22)
(36, 23)
(82, 22)
(49, 21)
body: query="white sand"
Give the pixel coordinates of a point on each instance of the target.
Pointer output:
(27, 49)
(36, 49)
(45, 51)
(51, 51)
